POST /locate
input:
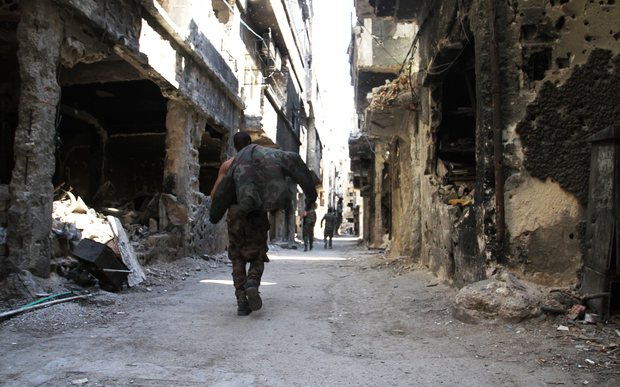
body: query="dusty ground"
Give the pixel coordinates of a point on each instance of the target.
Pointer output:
(341, 317)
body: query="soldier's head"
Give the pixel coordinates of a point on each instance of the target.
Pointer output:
(241, 140)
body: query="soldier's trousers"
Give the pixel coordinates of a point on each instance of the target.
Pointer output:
(247, 244)
(328, 234)
(309, 235)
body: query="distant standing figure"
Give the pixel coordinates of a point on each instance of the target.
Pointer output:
(330, 220)
(308, 219)
(339, 210)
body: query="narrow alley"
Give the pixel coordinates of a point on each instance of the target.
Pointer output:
(464, 153)
(341, 317)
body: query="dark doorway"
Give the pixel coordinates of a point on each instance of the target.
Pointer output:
(111, 140)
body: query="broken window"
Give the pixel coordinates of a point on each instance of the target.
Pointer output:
(456, 138)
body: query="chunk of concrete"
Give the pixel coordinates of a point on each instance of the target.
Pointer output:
(128, 255)
(502, 298)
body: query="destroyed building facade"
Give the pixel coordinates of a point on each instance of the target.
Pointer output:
(132, 104)
(473, 117)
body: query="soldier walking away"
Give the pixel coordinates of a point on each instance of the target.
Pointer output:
(308, 219)
(330, 222)
(247, 242)
(249, 185)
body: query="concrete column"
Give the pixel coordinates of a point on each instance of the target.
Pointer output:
(377, 226)
(185, 126)
(39, 33)
(365, 219)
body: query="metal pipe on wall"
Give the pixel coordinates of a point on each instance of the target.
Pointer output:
(497, 118)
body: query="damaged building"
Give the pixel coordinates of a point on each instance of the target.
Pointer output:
(130, 106)
(474, 141)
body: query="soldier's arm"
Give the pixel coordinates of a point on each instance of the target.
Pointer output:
(322, 222)
(221, 173)
(296, 169)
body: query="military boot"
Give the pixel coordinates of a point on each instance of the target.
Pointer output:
(243, 309)
(254, 300)
(306, 247)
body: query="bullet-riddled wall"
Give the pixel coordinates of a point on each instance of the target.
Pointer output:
(558, 69)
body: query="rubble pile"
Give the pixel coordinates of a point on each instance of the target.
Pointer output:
(393, 93)
(459, 194)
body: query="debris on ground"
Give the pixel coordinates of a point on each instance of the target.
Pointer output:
(501, 298)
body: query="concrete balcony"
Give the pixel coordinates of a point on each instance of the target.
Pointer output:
(380, 47)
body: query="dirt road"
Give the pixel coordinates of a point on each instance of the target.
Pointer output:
(338, 317)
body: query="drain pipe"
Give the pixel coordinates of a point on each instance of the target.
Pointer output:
(497, 119)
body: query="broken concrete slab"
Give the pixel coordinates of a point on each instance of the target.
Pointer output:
(128, 255)
(501, 298)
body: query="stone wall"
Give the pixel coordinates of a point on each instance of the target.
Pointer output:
(5, 199)
(559, 72)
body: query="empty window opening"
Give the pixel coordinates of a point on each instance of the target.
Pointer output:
(398, 9)
(111, 142)
(538, 63)
(456, 138)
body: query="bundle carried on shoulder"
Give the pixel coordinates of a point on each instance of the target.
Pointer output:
(258, 179)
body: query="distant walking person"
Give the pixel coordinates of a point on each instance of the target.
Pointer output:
(330, 220)
(339, 210)
(308, 219)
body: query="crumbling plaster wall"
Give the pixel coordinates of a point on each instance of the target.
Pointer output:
(188, 76)
(547, 116)
(40, 35)
(558, 79)
(48, 36)
(452, 240)
(406, 195)
(69, 32)
(377, 36)
(186, 125)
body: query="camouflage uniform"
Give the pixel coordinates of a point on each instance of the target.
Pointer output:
(330, 222)
(247, 243)
(308, 230)
(259, 179)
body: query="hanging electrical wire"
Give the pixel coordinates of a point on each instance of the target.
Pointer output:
(379, 43)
